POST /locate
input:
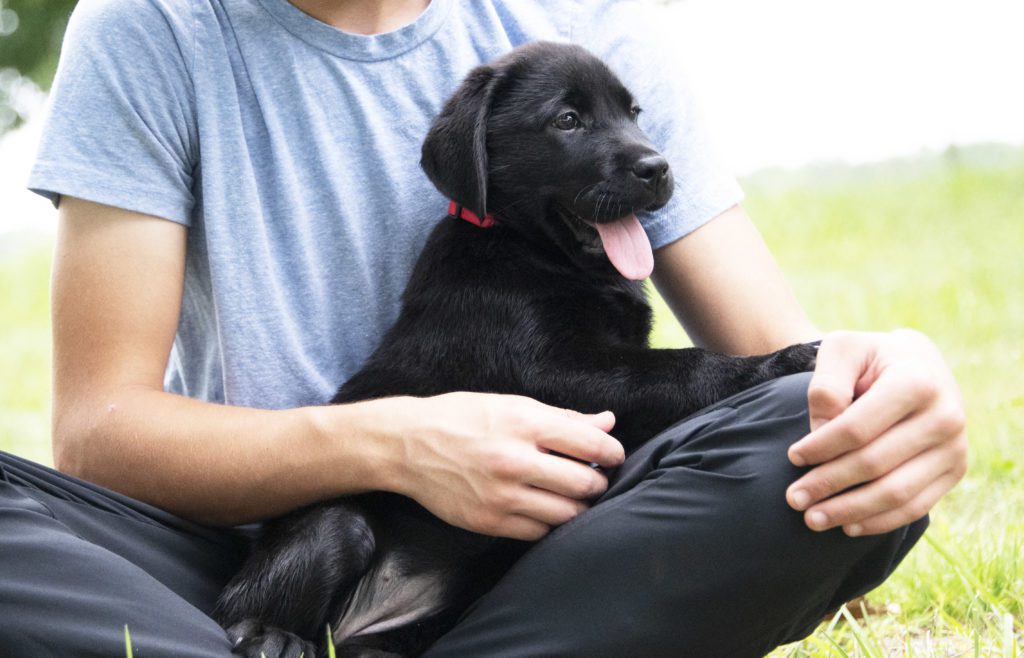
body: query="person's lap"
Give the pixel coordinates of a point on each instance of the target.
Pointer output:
(692, 551)
(81, 562)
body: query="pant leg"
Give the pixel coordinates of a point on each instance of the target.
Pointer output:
(692, 551)
(78, 562)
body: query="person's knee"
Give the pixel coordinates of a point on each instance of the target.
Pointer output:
(743, 453)
(748, 434)
(802, 575)
(783, 396)
(812, 573)
(769, 419)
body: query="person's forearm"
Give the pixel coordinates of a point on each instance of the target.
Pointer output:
(224, 465)
(726, 290)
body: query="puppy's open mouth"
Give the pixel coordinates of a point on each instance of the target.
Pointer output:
(622, 240)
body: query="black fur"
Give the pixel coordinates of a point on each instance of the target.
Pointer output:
(531, 306)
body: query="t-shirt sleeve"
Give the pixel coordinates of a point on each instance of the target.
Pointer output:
(120, 126)
(630, 38)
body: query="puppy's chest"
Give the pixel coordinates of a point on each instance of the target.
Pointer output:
(612, 314)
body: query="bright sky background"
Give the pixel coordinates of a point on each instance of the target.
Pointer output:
(788, 82)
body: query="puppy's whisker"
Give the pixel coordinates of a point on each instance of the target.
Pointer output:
(601, 203)
(583, 190)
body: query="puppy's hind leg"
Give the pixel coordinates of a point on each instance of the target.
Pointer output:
(280, 602)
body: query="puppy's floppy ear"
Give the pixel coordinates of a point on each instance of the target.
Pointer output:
(454, 153)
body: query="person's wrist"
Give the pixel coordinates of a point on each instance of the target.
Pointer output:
(392, 427)
(368, 440)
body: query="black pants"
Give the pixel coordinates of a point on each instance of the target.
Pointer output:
(691, 552)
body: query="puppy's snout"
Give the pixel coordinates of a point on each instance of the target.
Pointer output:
(652, 170)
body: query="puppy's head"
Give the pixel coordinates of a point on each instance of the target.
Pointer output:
(546, 139)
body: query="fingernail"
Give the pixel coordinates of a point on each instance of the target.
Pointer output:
(816, 423)
(817, 520)
(800, 499)
(796, 459)
(854, 530)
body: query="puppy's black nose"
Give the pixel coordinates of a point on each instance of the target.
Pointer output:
(651, 169)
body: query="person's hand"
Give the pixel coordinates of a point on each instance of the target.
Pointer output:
(487, 462)
(887, 433)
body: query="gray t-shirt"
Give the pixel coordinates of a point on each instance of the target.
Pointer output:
(290, 149)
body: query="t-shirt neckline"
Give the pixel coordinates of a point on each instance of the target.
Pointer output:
(362, 47)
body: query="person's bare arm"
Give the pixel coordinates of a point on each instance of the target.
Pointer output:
(116, 295)
(888, 430)
(724, 286)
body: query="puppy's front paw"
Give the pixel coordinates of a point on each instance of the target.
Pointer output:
(250, 638)
(802, 357)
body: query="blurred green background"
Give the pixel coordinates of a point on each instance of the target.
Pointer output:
(30, 36)
(932, 242)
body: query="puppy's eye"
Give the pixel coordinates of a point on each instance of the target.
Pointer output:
(634, 112)
(568, 121)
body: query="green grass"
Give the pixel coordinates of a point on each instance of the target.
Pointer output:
(936, 244)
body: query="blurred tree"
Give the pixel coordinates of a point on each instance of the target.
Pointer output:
(30, 36)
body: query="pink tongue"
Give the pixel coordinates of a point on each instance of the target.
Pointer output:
(627, 247)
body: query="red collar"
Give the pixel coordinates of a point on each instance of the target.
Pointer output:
(460, 211)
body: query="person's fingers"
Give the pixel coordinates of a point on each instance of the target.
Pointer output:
(546, 507)
(894, 490)
(888, 433)
(897, 393)
(915, 509)
(519, 527)
(893, 448)
(567, 478)
(579, 440)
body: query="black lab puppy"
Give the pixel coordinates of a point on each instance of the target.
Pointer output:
(541, 299)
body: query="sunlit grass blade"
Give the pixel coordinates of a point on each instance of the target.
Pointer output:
(1009, 641)
(836, 647)
(858, 634)
(970, 580)
(866, 617)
